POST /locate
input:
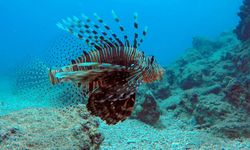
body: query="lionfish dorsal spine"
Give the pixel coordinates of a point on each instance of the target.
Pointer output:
(101, 36)
(75, 27)
(122, 29)
(144, 33)
(106, 27)
(103, 39)
(136, 30)
(105, 46)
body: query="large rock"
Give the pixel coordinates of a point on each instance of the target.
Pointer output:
(205, 110)
(149, 111)
(71, 128)
(238, 94)
(204, 88)
(243, 29)
(211, 84)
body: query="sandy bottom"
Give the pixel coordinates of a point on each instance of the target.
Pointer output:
(135, 135)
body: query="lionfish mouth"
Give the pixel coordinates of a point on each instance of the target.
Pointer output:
(110, 70)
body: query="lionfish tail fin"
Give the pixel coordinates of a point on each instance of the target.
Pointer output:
(36, 82)
(33, 84)
(31, 77)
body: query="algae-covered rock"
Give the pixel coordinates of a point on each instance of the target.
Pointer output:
(234, 126)
(214, 89)
(162, 93)
(211, 84)
(240, 58)
(148, 111)
(47, 128)
(206, 46)
(191, 80)
(243, 28)
(238, 94)
(204, 88)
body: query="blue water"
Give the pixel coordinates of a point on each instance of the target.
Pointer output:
(29, 26)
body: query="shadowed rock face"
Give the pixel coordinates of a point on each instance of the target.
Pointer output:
(243, 29)
(223, 91)
(191, 81)
(71, 128)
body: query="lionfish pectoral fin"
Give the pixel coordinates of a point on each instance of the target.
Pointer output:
(87, 76)
(91, 64)
(77, 76)
(114, 109)
(100, 65)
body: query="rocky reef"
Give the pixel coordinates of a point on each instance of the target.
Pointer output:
(208, 88)
(47, 128)
(243, 29)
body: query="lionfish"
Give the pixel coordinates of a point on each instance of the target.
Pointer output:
(111, 70)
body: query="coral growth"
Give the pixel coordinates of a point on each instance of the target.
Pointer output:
(214, 91)
(72, 128)
(243, 29)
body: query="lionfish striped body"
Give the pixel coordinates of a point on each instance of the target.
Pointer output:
(110, 71)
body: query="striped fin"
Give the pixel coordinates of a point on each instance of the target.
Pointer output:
(122, 29)
(108, 29)
(80, 29)
(144, 33)
(111, 112)
(69, 73)
(90, 32)
(94, 36)
(120, 80)
(135, 45)
(104, 39)
(138, 42)
(113, 100)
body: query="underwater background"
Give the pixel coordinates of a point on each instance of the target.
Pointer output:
(202, 102)
(169, 22)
